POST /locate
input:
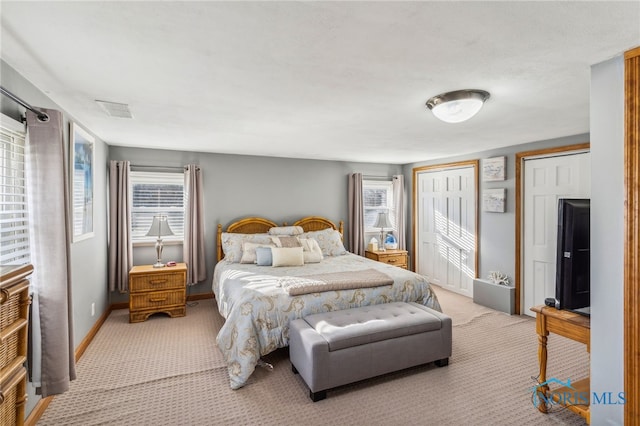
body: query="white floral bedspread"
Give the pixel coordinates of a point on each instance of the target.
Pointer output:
(258, 311)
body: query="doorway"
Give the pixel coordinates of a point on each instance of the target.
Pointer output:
(541, 178)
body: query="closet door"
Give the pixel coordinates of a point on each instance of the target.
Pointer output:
(545, 180)
(446, 227)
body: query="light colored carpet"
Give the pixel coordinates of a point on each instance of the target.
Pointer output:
(169, 372)
(461, 309)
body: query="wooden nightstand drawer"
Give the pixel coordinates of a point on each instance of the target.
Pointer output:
(394, 259)
(153, 290)
(157, 299)
(157, 281)
(391, 257)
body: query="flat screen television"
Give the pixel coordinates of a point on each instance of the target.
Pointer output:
(573, 256)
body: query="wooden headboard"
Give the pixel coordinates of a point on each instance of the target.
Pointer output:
(317, 223)
(259, 225)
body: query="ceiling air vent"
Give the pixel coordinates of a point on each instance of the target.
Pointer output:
(115, 109)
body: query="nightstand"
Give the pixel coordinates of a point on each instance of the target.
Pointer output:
(398, 258)
(153, 290)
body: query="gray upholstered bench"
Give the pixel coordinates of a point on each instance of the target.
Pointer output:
(340, 347)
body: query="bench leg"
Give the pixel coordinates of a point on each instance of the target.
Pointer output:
(294, 369)
(317, 396)
(442, 362)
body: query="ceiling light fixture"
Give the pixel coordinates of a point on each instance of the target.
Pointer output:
(458, 106)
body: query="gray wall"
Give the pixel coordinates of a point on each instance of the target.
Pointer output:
(237, 186)
(496, 231)
(607, 237)
(88, 257)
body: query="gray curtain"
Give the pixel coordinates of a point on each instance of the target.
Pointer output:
(398, 201)
(193, 247)
(120, 246)
(356, 214)
(48, 194)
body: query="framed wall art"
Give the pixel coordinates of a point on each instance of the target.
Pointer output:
(493, 169)
(82, 159)
(493, 200)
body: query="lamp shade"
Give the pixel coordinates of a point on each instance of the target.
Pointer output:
(159, 227)
(458, 106)
(383, 221)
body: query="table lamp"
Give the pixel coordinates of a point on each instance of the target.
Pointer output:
(159, 228)
(382, 223)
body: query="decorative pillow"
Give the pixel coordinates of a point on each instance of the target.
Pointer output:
(263, 256)
(312, 256)
(307, 243)
(249, 251)
(329, 240)
(286, 230)
(232, 244)
(311, 250)
(287, 256)
(286, 241)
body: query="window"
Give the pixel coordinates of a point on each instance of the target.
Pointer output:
(377, 197)
(14, 217)
(155, 193)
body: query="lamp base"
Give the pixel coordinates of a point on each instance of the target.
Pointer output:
(159, 263)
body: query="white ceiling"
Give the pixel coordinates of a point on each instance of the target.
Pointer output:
(324, 80)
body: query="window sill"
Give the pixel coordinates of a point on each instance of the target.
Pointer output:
(153, 243)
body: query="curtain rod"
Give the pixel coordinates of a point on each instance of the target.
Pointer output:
(42, 116)
(142, 166)
(372, 177)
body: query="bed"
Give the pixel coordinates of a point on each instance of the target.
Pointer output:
(258, 305)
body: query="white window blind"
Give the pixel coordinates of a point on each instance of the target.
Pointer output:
(14, 216)
(157, 193)
(377, 197)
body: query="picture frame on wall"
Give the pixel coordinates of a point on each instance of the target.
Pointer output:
(82, 165)
(493, 169)
(493, 200)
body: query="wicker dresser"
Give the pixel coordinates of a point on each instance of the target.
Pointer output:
(154, 290)
(14, 319)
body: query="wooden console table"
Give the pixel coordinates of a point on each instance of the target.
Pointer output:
(572, 326)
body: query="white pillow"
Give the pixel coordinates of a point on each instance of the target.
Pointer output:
(329, 240)
(312, 256)
(306, 243)
(286, 230)
(287, 256)
(311, 250)
(249, 251)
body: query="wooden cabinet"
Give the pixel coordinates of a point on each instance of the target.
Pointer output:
(14, 320)
(392, 257)
(153, 290)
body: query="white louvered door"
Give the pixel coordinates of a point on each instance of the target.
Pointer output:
(447, 228)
